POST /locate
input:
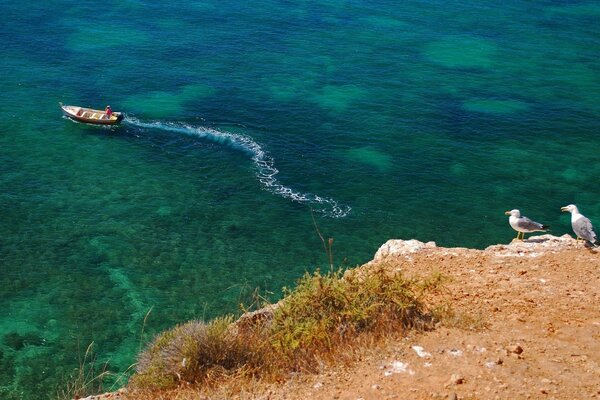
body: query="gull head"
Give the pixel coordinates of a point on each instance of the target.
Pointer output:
(513, 213)
(572, 208)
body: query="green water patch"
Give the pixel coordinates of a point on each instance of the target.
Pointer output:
(32, 85)
(93, 37)
(28, 333)
(571, 174)
(371, 157)
(19, 334)
(382, 22)
(118, 277)
(492, 106)
(298, 75)
(288, 88)
(159, 104)
(338, 98)
(155, 104)
(462, 52)
(299, 83)
(458, 169)
(581, 83)
(574, 169)
(531, 170)
(196, 91)
(576, 10)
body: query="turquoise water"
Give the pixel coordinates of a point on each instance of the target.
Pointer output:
(418, 119)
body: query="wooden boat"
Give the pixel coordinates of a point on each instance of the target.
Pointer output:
(91, 116)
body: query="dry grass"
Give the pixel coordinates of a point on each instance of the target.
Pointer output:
(89, 378)
(324, 317)
(451, 318)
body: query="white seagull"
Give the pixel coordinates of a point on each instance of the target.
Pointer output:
(582, 226)
(523, 225)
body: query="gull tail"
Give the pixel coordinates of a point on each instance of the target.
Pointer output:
(545, 227)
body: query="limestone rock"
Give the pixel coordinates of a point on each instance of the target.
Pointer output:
(534, 246)
(398, 247)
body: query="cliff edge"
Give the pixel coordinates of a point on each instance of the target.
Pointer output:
(523, 323)
(527, 327)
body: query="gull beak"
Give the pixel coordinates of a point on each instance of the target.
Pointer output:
(506, 212)
(563, 209)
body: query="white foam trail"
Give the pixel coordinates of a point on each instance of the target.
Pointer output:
(265, 165)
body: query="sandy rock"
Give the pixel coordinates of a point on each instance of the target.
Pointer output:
(397, 247)
(535, 246)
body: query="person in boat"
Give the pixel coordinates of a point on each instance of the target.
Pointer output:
(108, 111)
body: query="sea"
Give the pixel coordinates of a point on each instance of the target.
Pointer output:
(263, 140)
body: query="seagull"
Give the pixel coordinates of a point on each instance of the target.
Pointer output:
(582, 226)
(523, 224)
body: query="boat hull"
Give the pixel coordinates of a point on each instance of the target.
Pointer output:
(91, 116)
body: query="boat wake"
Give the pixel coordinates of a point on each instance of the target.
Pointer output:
(264, 163)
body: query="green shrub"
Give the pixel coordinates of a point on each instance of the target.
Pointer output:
(191, 352)
(323, 312)
(326, 310)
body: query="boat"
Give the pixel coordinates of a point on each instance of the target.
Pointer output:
(91, 116)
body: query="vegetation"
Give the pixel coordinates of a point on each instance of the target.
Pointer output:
(88, 378)
(310, 326)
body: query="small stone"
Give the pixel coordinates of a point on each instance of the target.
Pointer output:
(421, 352)
(546, 381)
(456, 352)
(455, 379)
(515, 348)
(452, 396)
(376, 387)
(318, 385)
(543, 391)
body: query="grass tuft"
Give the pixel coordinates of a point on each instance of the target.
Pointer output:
(322, 315)
(87, 379)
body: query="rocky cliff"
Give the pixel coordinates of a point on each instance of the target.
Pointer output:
(523, 322)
